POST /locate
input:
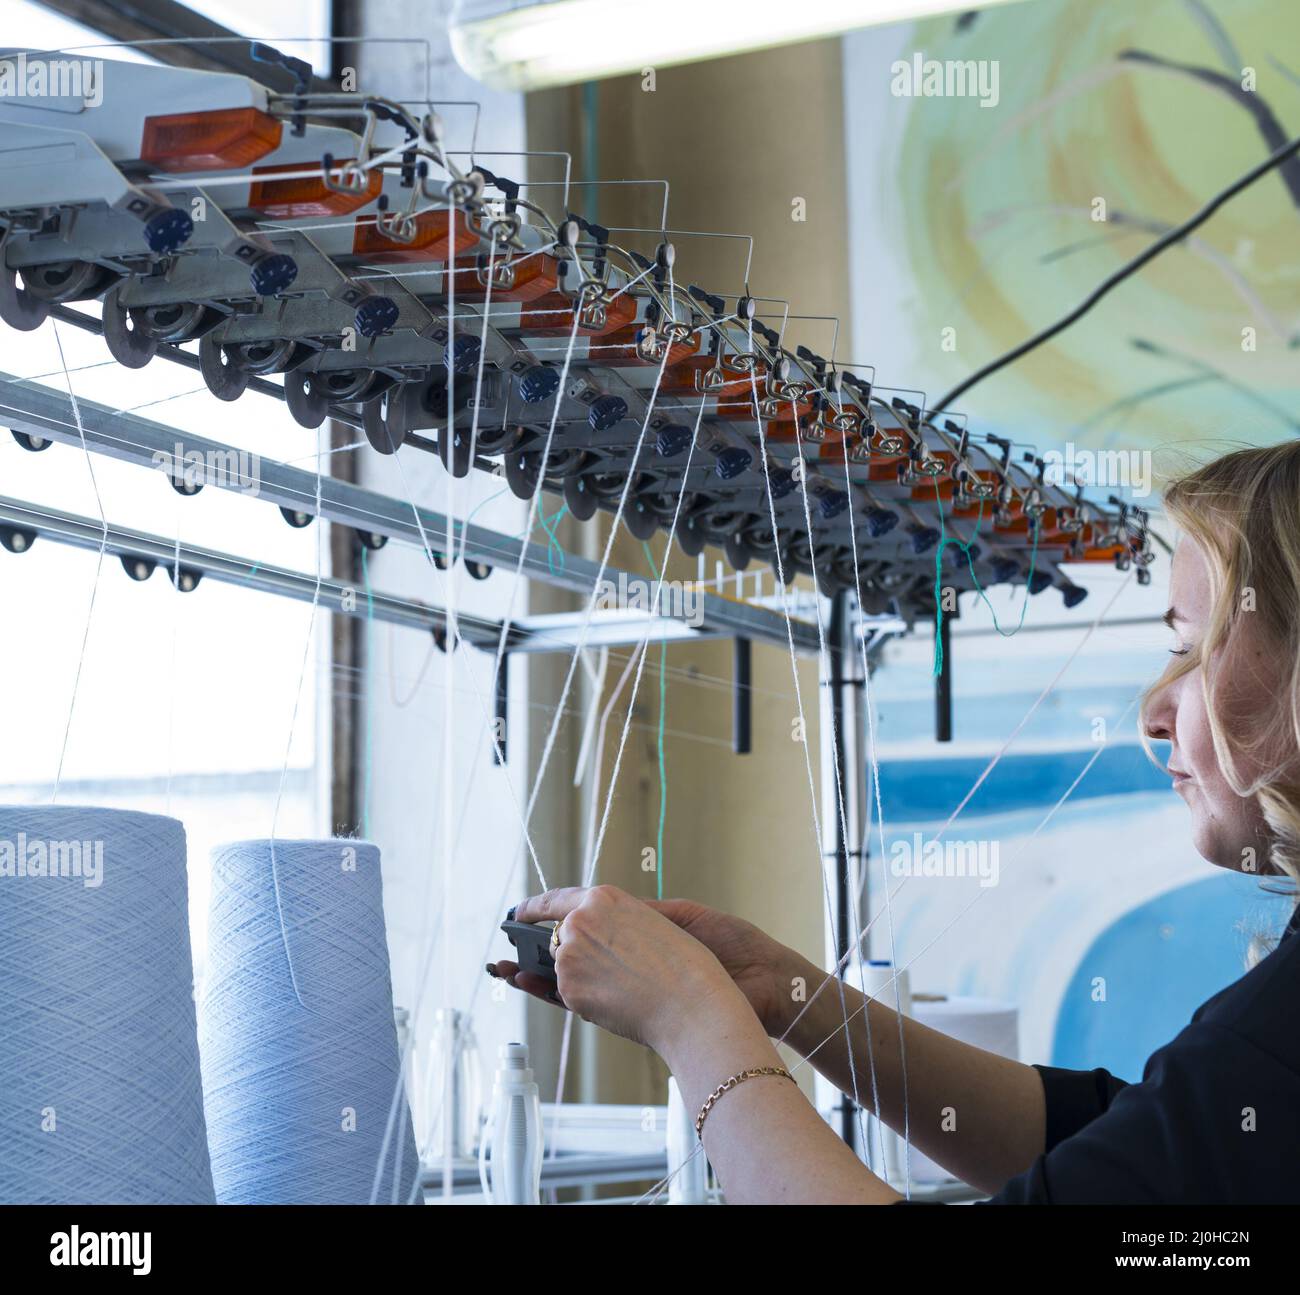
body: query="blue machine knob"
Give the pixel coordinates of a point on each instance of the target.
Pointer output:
(782, 482)
(376, 315)
(924, 539)
(607, 412)
(832, 503)
(273, 274)
(462, 355)
(880, 521)
(673, 440)
(538, 384)
(167, 230)
(732, 462)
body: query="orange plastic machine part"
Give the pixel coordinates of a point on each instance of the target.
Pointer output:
(882, 468)
(535, 276)
(225, 138)
(887, 469)
(938, 487)
(551, 315)
(620, 348)
(1107, 554)
(737, 387)
(1020, 524)
(433, 237)
(791, 422)
(306, 196)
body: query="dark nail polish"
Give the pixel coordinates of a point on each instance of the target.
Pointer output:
(510, 916)
(492, 971)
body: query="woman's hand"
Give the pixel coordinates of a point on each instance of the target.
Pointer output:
(638, 970)
(762, 968)
(627, 967)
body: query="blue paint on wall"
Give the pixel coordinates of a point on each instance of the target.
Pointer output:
(921, 790)
(1159, 961)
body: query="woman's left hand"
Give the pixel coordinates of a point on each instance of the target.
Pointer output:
(626, 967)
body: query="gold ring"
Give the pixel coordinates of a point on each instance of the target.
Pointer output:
(555, 938)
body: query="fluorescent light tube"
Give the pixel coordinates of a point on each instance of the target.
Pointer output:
(560, 42)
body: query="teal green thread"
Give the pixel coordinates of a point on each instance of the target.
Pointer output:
(483, 503)
(553, 545)
(944, 541)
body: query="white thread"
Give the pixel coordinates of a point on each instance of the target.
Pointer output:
(654, 1192)
(1051, 813)
(598, 764)
(866, 929)
(99, 566)
(449, 660)
(794, 662)
(644, 652)
(293, 720)
(596, 678)
(823, 661)
(595, 591)
(865, 853)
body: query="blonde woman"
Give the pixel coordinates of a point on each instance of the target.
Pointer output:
(1216, 1117)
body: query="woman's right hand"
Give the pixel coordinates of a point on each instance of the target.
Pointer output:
(762, 968)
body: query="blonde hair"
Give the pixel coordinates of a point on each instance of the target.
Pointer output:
(1243, 512)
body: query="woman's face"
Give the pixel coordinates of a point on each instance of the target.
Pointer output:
(1227, 829)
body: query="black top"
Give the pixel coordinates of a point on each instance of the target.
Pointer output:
(1216, 1118)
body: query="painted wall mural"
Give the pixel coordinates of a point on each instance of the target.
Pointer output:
(989, 199)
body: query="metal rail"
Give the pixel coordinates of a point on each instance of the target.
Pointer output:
(41, 411)
(557, 632)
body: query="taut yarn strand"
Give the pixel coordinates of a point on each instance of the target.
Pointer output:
(100, 1098)
(298, 1092)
